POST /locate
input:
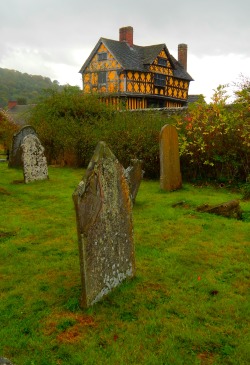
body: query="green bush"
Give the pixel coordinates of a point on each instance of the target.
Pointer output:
(214, 139)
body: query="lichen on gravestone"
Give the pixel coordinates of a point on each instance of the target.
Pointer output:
(34, 161)
(104, 225)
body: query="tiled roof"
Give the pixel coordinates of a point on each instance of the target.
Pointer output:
(195, 98)
(136, 58)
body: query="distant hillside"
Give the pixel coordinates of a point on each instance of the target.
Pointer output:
(24, 88)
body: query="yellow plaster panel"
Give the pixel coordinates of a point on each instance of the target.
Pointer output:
(129, 87)
(86, 78)
(102, 48)
(142, 88)
(103, 89)
(86, 88)
(163, 54)
(130, 75)
(112, 87)
(136, 76)
(112, 75)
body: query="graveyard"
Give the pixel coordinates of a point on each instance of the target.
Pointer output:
(187, 302)
(124, 237)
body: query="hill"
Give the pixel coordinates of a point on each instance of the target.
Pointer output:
(24, 88)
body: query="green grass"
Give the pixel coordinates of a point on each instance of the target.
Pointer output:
(188, 303)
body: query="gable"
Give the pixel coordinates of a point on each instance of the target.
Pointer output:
(102, 59)
(162, 64)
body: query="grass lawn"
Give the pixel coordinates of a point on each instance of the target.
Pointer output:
(189, 302)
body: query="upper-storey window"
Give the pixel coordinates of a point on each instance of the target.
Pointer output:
(102, 77)
(102, 56)
(160, 80)
(162, 61)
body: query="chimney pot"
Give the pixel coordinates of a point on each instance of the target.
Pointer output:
(182, 55)
(126, 35)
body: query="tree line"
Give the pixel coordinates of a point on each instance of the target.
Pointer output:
(22, 87)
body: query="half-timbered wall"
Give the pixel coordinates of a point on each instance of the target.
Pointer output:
(97, 65)
(105, 75)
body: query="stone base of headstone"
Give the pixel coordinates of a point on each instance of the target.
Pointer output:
(105, 228)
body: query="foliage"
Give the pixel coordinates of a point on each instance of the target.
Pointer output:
(214, 139)
(7, 129)
(24, 88)
(188, 303)
(66, 122)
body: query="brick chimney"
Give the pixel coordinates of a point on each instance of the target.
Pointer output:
(182, 55)
(126, 35)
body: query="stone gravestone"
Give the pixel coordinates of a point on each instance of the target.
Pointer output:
(134, 175)
(104, 224)
(170, 173)
(15, 158)
(34, 161)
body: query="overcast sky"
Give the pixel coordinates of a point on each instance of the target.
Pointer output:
(53, 38)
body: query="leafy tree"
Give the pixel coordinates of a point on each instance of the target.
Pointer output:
(67, 123)
(15, 85)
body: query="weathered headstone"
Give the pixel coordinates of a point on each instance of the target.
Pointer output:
(34, 161)
(134, 175)
(170, 173)
(105, 228)
(15, 158)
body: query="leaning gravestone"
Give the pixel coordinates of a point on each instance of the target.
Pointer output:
(105, 229)
(134, 175)
(15, 158)
(34, 161)
(170, 173)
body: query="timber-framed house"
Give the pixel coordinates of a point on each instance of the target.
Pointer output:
(136, 77)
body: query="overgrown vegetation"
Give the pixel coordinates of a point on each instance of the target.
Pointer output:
(187, 305)
(7, 129)
(214, 138)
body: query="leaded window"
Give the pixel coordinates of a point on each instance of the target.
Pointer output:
(160, 80)
(102, 56)
(162, 61)
(102, 77)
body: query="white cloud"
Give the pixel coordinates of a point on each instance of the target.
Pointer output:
(211, 71)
